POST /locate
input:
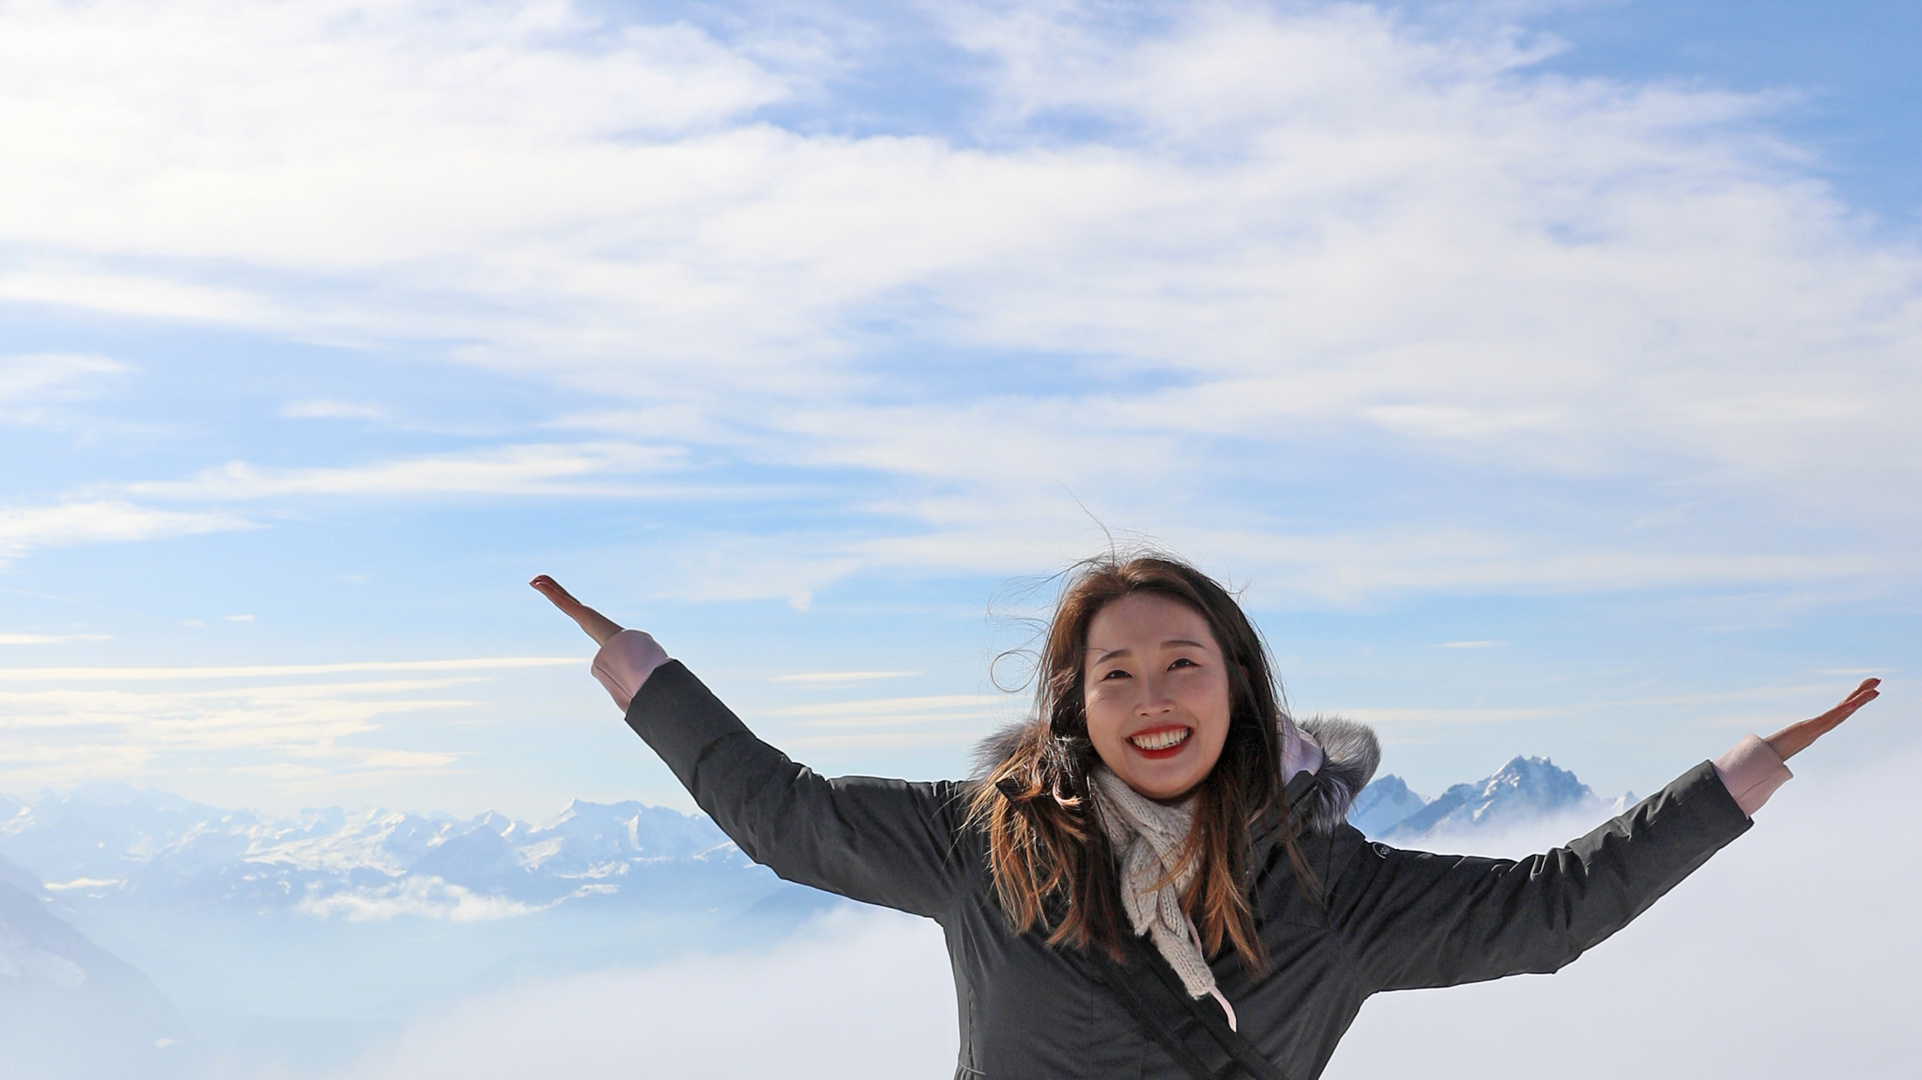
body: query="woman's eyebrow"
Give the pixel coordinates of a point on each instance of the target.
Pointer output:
(1170, 643)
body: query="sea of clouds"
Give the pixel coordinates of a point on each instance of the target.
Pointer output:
(1793, 952)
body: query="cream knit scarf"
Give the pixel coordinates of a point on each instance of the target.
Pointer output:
(1147, 838)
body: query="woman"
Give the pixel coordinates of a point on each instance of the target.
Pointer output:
(1153, 877)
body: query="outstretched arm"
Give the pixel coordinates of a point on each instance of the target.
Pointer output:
(885, 842)
(1415, 920)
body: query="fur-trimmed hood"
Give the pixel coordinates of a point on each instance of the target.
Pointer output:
(1350, 753)
(1342, 754)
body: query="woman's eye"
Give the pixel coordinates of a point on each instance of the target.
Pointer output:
(1182, 661)
(1116, 673)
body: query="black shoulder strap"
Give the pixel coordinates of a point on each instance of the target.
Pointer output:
(1195, 1032)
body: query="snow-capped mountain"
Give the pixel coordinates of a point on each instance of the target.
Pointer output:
(114, 840)
(1382, 805)
(1526, 790)
(115, 843)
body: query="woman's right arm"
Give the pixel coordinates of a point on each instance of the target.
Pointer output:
(886, 842)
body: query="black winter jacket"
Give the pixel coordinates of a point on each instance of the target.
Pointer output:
(1391, 920)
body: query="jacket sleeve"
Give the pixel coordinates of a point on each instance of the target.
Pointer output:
(1412, 919)
(887, 842)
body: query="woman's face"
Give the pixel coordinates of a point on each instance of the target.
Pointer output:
(1156, 693)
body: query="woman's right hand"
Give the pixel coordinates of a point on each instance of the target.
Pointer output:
(598, 626)
(1796, 738)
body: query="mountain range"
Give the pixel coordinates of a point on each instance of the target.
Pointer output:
(291, 943)
(1525, 791)
(113, 841)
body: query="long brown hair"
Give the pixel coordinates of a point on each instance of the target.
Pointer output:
(1052, 865)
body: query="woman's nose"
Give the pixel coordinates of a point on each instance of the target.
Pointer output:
(1155, 698)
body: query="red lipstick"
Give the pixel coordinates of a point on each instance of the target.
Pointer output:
(1160, 752)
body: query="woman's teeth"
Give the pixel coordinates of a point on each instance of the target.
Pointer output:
(1160, 740)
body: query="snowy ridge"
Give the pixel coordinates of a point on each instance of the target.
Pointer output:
(1525, 791)
(371, 864)
(114, 844)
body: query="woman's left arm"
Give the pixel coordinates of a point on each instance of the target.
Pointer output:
(1413, 919)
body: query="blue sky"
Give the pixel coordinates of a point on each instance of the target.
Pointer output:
(1542, 370)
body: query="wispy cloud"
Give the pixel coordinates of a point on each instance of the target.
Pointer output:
(1247, 259)
(25, 528)
(898, 722)
(332, 409)
(299, 726)
(1391, 718)
(875, 712)
(543, 469)
(41, 377)
(271, 671)
(840, 678)
(49, 639)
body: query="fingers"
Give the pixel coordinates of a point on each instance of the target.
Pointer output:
(1795, 738)
(1864, 693)
(597, 626)
(1861, 696)
(551, 589)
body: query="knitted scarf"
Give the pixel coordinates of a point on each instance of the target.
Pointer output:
(1147, 838)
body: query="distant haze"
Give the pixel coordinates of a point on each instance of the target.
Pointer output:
(1807, 915)
(1792, 953)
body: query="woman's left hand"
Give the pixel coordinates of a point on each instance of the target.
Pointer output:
(1796, 738)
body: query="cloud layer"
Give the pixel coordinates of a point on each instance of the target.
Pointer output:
(1502, 330)
(1757, 965)
(292, 727)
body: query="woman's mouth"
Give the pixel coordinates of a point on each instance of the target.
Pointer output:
(1160, 742)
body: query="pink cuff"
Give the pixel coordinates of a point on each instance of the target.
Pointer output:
(625, 662)
(1751, 772)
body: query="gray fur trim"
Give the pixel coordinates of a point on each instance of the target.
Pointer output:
(990, 752)
(1350, 754)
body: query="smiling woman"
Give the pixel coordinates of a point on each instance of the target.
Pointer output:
(1162, 833)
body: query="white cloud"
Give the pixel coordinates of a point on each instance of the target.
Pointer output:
(126, 294)
(873, 723)
(1313, 243)
(89, 675)
(41, 389)
(1704, 981)
(331, 409)
(41, 376)
(838, 678)
(891, 710)
(416, 895)
(863, 994)
(296, 726)
(25, 528)
(543, 469)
